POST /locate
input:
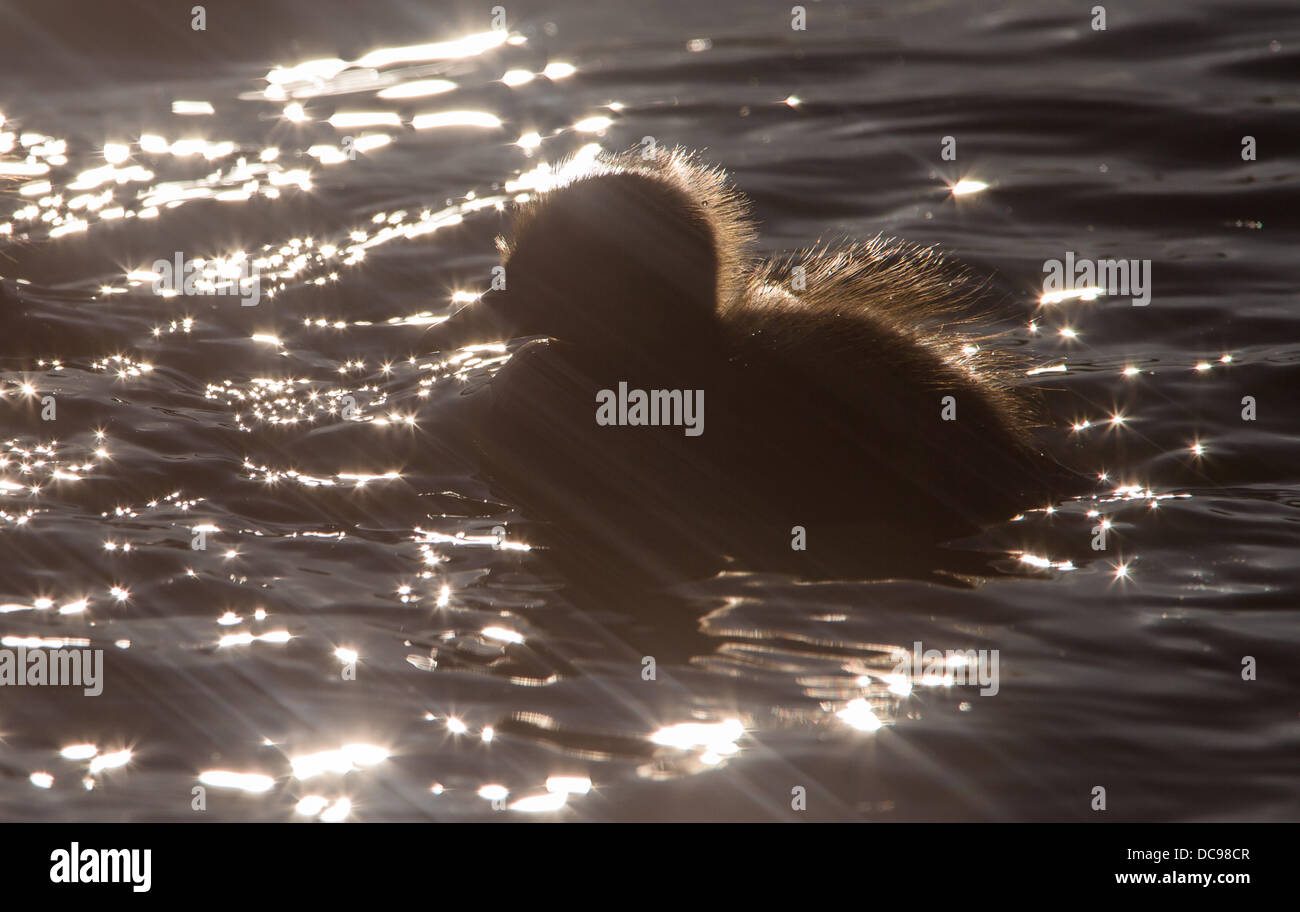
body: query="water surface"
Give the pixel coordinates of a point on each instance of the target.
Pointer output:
(304, 437)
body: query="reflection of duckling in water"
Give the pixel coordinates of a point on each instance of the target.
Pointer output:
(823, 387)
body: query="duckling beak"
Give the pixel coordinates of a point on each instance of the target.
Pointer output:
(474, 324)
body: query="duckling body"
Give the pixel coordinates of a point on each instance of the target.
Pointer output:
(688, 408)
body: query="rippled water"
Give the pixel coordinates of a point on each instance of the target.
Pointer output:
(302, 440)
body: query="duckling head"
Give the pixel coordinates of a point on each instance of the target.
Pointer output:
(624, 255)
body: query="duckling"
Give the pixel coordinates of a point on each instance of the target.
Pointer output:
(688, 407)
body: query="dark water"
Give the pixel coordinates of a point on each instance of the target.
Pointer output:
(480, 665)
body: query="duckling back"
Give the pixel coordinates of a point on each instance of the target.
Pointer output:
(862, 346)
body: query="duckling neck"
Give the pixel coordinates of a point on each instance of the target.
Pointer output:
(683, 348)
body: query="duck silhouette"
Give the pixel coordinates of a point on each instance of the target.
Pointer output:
(689, 408)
